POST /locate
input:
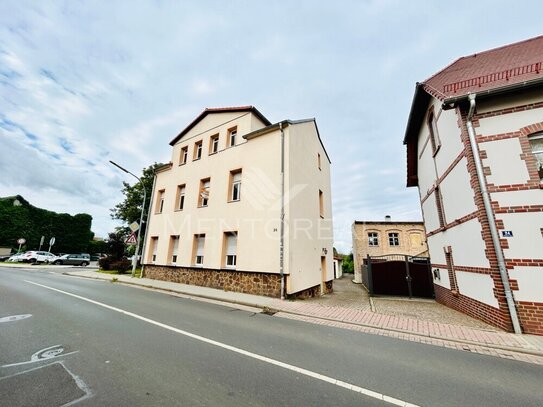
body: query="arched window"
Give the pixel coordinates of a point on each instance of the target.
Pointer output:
(536, 142)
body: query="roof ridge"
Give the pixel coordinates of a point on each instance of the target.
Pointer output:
(479, 53)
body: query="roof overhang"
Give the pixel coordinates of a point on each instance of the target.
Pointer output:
(207, 111)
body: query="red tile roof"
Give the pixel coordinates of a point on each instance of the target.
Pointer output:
(209, 110)
(498, 67)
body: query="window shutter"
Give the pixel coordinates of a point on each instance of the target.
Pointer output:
(200, 248)
(231, 243)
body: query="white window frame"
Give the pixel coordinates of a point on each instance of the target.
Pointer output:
(232, 133)
(198, 146)
(199, 252)
(235, 186)
(175, 248)
(214, 144)
(184, 155)
(231, 245)
(203, 194)
(181, 197)
(393, 241)
(373, 239)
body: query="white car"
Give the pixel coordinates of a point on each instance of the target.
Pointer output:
(16, 258)
(37, 257)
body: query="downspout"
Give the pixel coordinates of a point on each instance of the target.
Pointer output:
(148, 218)
(490, 216)
(282, 215)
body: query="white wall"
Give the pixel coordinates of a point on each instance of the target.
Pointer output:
(503, 158)
(477, 286)
(530, 283)
(467, 244)
(518, 198)
(450, 136)
(430, 213)
(527, 242)
(509, 122)
(310, 237)
(457, 194)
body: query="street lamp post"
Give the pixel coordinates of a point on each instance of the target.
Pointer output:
(135, 259)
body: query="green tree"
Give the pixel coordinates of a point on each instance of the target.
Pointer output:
(129, 210)
(348, 264)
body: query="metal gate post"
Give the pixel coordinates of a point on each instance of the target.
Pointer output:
(408, 276)
(370, 278)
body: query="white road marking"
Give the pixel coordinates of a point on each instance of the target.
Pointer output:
(15, 318)
(51, 352)
(309, 373)
(80, 383)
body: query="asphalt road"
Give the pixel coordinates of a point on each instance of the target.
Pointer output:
(93, 343)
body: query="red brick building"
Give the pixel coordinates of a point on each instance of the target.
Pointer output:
(474, 142)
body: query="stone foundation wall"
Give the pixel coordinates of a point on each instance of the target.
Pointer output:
(238, 281)
(315, 291)
(246, 282)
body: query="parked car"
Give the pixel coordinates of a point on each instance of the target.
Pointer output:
(16, 257)
(5, 258)
(79, 259)
(36, 257)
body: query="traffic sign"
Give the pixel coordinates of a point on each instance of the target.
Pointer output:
(131, 239)
(52, 241)
(134, 226)
(21, 240)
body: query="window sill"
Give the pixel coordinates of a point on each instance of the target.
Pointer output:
(180, 164)
(213, 153)
(196, 159)
(178, 210)
(436, 151)
(199, 207)
(231, 201)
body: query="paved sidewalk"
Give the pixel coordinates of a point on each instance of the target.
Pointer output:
(490, 341)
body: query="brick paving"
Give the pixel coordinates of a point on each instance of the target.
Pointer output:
(343, 309)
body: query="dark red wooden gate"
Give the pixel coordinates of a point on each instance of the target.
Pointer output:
(399, 274)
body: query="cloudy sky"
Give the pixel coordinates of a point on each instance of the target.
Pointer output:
(85, 82)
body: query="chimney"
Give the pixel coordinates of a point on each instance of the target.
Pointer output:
(387, 218)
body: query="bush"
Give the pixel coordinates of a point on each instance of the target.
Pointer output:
(105, 263)
(122, 266)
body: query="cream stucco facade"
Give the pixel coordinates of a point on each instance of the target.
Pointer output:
(222, 202)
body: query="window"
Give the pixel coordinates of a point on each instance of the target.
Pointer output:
(203, 196)
(536, 142)
(393, 239)
(197, 150)
(321, 204)
(232, 136)
(154, 246)
(373, 239)
(434, 136)
(231, 240)
(180, 197)
(174, 248)
(183, 155)
(214, 144)
(199, 241)
(235, 185)
(160, 201)
(319, 160)
(439, 204)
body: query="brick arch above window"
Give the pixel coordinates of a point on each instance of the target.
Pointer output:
(530, 148)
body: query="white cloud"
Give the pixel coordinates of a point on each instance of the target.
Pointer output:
(83, 83)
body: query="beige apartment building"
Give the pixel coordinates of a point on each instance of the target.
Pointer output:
(376, 238)
(217, 207)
